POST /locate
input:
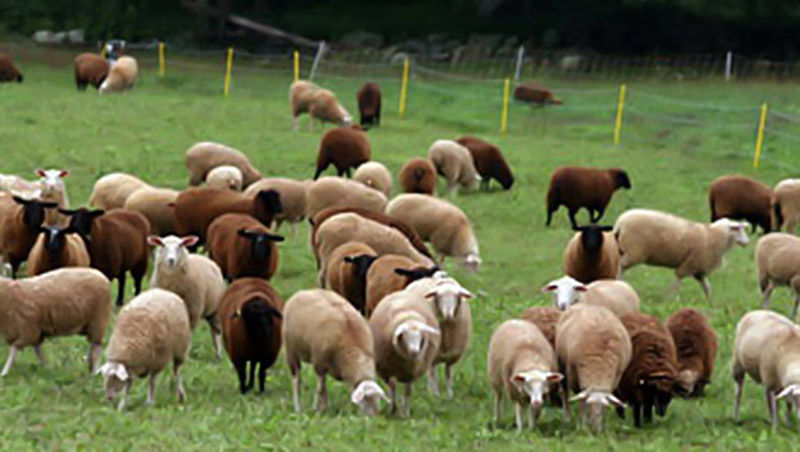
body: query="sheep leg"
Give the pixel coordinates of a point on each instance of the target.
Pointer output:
(294, 123)
(673, 289)
(563, 390)
(216, 338)
(179, 391)
(296, 387)
(572, 220)
(648, 411)
(620, 412)
(738, 379)
(251, 382)
(39, 354)
(151, 389)
(407, 400)
(766, 293)
(772, 406)
(262, 375)
(121, 289)
(433, 384)
(241, 372)
(94, 353)
(518, 415)
(498, 402)
(448, 374)
(703, 280)
(12, 356)
(789, 408)
(321, 397)
(393, 388)
(637, 414)
(124, 398)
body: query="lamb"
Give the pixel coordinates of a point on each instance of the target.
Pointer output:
(778, 263)
(489, 162)
(323, 329)
(696, 345)
(390, 273)
(535, 93)
(453, 162)
(741, 198)
(320, 104)
(593, 349)
(577, 187)
(242, 247)
(375, 175)
(10, 73)
(121, 75)
(54, 190)
(197, 208)
(90, 69)
(418, 176)
(113, 190)
(661, 239)
(592, 254)
(157, 205)
(328, 192)
(786, 205)
(545, 318)
(117, 243)
(204, 156)
(225, 177)
(63, 302)
(767, 349)
(151, 331)
(20, 220)
(443, 224)
(196, 279)
(649, 378)
(347, 271)
(292, 194)
(614, 295)
(369, 104)
(521, 363)
(250, 315)
(344, 148)
(57, 248)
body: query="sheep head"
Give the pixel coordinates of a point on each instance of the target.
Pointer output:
(33, 214)
(414, 274)
(447, 296)
(597, 402)
(621, 179)
(171, 252)
(792, 393)
(565, 291)
(472, 262)
(82, 219)
(52, 180)
(361, 264)
(367, 396)
(54, 238)
(260, 242)
(410, 338)
(736, 230)
(116, 379)
(535, 383)
(592, 236)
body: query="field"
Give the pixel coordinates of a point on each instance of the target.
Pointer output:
(677, 137)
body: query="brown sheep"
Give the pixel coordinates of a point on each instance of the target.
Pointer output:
(243, 247)
(649, 378)
(696, 345)
(9, 72)
(347, 272)
(345, 148)
(741, 198)
(489, 162)
(117, 243)
(369, 104)
(418, 176)
(90, 69)
(545, 318)
(390, 273)
(55, 248)
(535, 93)
(20, 220)
(590, 188)
(592, 254)
(250, 315)
(196, 208)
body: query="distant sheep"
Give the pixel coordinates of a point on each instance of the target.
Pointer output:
(489, 162)
(696, 345)
(204, 156)
(741, 198)
(20, 220)
(614, 295)
(786, 205)
(330, 192)
(90, 69)
(121, 75)
(369, 104)
(592, 254)
(577, 187)
(292, 194)
(10, 73)
(535, 93)
(418, 176)
(243, 247)
(225, 177)
(453, 162)
(375, 175)
(390, 273)
(157, 205)
(344, 148)
(113, 190)
(320, 104)
(57, 248)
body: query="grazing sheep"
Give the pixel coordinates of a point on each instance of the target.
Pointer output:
(593, 349)
(521, 363)
(768, 349)
(615, 295)
(536, 94)
(453, 162)
(696, 345)
(225, 177)
(151, 331)
(741, 198)
(204, 156)
(196, 279)
(54, 190)
(157, 205)
(250, 315)
(375, 175)
(786, 205)
(292, 194)
(369, 104)
(117, 243)
(441, 223)
(319, 103)
(57, 248)
(344, 148)
(489, 162)
(390, 273)
(90, 69)
(9, 73)
(649, 378)
(418, 176)
(323, 329)
(20, 221)
(545, 318)
(121, 75)
(243, 247)
(778, 263)
(592, 254)
(347, 271)
(63, 302)
(691, 248)
(113, 190)
(330, 192)
(577, 187)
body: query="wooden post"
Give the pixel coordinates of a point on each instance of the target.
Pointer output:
(762, 122)
(228, 68)
(620, 110)
(404, 89)
(162, 67)
(296, 65)
(504, 115)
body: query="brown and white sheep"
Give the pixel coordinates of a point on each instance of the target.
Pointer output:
(489, 162)
(418, 176)
(113, 190)
(10, 73)
(204, 156)
(158, 206)
(344, 148)
(292, 195)
(453, 162)
(375, 175)
(225, 177)
(592, 254)
(390, 273)
(369, 104)
(741, 198)
(121, 75)
(90, 69)
(347, 272)
(328, 192)
(535, 93)
(55, 248)
(577, 187)
(786, 205)
(319, 103)
(243, 247)
(696, 345)
(20, 220)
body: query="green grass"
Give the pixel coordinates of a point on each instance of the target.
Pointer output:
(46, 123)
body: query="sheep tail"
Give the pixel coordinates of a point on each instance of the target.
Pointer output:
(776, 209)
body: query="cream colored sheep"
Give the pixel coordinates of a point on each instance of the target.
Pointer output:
(112, 190)
(225, 177)
(522, 364)
(151, 332)
(328, 192)
(121, 75)
(18, 186)
(319, 103)
(778, 264)
(321, 328)
(691, 248)
(786, 205)
(156, 204)
(54, 190)
(375, 175)
(454, 162)
(204, 156)
(292, 195)
(615, 295)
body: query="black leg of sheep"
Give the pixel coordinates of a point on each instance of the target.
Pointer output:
(262, 375)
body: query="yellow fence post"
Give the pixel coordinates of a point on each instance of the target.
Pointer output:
(504, 115)
(228, 71)
(162, 68)
(296, 65)
(104, 50)
(620, 110)
(403, 89)
(762, 122)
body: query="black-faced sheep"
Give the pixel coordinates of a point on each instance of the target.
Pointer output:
(347, 272)
(292, 194)
(56, 248)
(741, 198)
(390, 273)
(242, 246)
(90, 69)
(10, 73)
(489, 162)
(369, 104)
(696, 345)
(344, 148)
(592, 254)
(535, 93)
(418, 176)
(20, 220)
(577, 187)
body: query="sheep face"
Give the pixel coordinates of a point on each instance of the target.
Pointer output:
(620, 178)
(791, 393)
(171, 253)
(472, 262)
(597, 402)
(687, 382)
(270, 200)
(447, 297)
(33, 216)
(52, 180)
(592, 236)
(410, 339)
(116, 379)
(736, 230)
(260, 242)
(361, 264)
(82, 219)
(54, 238)
(565, 291)
(367, 396)
(535, 383)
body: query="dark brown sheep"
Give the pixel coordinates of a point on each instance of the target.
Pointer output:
(369, 104)
(9, 72)
(696, 344)
(535, 93)
(489, 162)
(578, 186)
(418, 175)
(741, 198)
(347, 272)
(592, 254)
(55, 248)
(20, 220)
(545, 318)
(117, 243)
(90, 69)
(250, 315)
(196, 208)
(649, 378)
(243, 247)
(343, 147)
(387, 274)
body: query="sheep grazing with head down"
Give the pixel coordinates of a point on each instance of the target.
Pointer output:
(535, 93)
(292, 194)
(329, 192)
(204, 156)
(369, 104)
(592, 254)
(577, 187)
(387, 274)
(418, 176)
(741, 198)
(10, 73)
(453, 162)
(786, 205)
(57, 248)
(489, 162)
(344, 148)
(157, 205)
(615, 295)
(90, 69)
(113, 190)
(696, 345)
(319, 103)
(54, 190)
(20, 220)
(778, 264)
(225, 177)
(121, 75)
(375, 175)
(242, 247)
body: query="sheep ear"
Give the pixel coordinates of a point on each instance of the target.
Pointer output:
(429, 329)
(244, 233)
(63, 173)
(464, 293)
(789, 390)
(121, 372)
(190, 240)
(39, 172)
(67, 212)
(275, 237)
(517, 379)
(580, 288)
(554, 377)
(549, 288)
(606, 228)
(19, 200)
(610, 398)
(431, 294)
(154, 240)
(404, 272)
(580, 396)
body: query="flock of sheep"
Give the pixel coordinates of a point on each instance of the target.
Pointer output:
(90, 69)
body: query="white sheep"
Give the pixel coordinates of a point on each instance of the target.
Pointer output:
(225, 177)
(786, 205)
(151, 331)
(157, 205)
(691, 248)
(374, 175)
(204, 156)
(112, 190)
(292, 195)
(54, 190)
(454, 162)
(778, 264)
(328, 192)
(121, 75)
(320, 327)
(615, 295)
(196, 279)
